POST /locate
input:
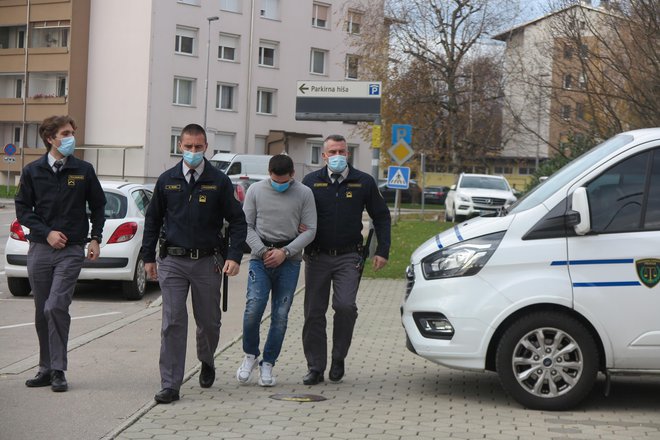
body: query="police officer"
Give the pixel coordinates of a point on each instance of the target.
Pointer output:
(341, 193)
(190, 203)
(51, 201)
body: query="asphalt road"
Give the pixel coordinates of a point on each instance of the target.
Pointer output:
(113, 357)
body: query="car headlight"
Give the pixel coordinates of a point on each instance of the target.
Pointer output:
(464, 198)
(462, 259)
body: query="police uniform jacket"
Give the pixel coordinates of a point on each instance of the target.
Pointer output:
(339, 210)
(47, 201)
(193, 217)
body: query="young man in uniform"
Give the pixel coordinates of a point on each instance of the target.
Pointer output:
(191, 201)
(342, 193)
(275, 209)
(51, 201)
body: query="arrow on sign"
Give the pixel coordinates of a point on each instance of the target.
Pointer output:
(302, 88)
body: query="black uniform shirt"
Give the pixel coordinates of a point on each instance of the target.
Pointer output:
(339, 210)
(47, 201)
(194, 217)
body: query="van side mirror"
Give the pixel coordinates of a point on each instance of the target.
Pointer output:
(579, 217)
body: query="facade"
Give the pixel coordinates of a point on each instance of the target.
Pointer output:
(230, 65)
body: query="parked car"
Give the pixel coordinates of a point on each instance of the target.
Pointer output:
(477, 194)
(241, 185)
(563, 286)
(435, 194)
(126, 204)
(410, 195)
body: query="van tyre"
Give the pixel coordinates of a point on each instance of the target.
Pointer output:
(554, 374)
(19, 286)
(135, 288)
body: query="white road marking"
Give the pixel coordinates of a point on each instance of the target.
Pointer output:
(78, 317)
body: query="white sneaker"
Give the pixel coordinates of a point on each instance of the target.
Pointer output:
(244, 372)
(266, 378)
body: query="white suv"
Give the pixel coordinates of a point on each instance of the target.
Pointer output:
(477, 194)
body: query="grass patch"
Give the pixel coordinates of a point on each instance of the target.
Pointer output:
(7, 194)
(407, 235)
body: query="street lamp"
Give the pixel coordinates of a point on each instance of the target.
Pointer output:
(208, 58)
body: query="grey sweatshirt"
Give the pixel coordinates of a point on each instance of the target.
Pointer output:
(275, 217)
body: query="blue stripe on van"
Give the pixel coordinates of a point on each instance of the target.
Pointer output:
(587, 262)
(437, 241)
(608, 284)
(458, 233)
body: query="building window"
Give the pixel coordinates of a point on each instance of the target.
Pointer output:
(228, 49)
(50, 33)
(566, 112)
(190, 2)
(584, 50)
(568, 81)
(47, 85)
(579, 111)
(352, 62)
(352, 152)
(568, 51)
(266, 102)
(61, 86)
(500, 169)
(267, 54)
(270, 9)
(526, 171)
(17, 136)
(582, 81)
(225, 97)
(19, 88)
(320, 14)
(175, 137)
(230, 5)
(185, 40)
(317, 61)
(224, 142)
(183, 91)
(315, 153)
(353, 22)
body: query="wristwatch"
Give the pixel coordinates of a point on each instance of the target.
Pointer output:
(287, 252)
(96, 238)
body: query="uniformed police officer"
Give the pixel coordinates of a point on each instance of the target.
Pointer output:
(190, 203)
(51, 201)
(341, 193)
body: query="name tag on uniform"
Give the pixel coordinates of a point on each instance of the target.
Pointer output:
(320, 185)
(354, 185)
(172, 187)
(209, 187)
(72, 178)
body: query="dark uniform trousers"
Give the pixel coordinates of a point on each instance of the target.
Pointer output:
(176, 276)
(53, 274)
(322, 270)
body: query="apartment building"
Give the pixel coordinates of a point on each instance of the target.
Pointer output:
(150, 67)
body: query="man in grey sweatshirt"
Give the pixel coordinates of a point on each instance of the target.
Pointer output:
(281, 218)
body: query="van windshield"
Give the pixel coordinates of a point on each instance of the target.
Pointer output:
(220, 164)
(569, 172)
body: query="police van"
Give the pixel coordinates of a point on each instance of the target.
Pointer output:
(559, 288)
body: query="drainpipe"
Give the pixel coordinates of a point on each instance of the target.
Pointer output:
(249, 81)
(26, 44)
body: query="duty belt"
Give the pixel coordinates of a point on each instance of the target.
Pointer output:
(193, 254)
(340, 251)
(276, 244)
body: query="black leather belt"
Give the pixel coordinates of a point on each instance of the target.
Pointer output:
(193, 254)
(340, 251)
(278, 244)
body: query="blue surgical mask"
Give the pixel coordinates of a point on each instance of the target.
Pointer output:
(193, 159)
(67, 146)
(337, 163)
(280, 187)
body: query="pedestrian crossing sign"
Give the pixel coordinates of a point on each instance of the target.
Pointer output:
(398, 177)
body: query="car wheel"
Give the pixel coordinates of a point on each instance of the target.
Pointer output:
(547, 361)
(19, 286)
(135, 288)
(448, 217)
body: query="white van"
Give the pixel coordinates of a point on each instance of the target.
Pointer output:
(562, 286)
(235, 165)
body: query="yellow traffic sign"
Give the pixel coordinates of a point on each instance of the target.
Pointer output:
(401, 151)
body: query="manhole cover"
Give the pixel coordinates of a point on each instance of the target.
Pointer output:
(298, 397)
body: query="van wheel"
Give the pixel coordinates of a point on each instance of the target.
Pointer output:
(19, 286)
(135, 288)
(547, 361)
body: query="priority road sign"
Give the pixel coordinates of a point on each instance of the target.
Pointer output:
(400, 152)
(398, 177)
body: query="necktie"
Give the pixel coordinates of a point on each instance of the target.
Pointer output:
(335, 178)
(191, 181)
(58, 164)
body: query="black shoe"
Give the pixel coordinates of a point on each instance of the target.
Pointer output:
(336, 370)
(58, 381)
(166, 395)
(206, 376)
(313, 377)
(40, 380)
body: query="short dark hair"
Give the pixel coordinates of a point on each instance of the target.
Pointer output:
(334, 137)
(194, 129)
(280, 165)
(51, 125)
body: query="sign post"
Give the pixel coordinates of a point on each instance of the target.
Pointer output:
(9, 158)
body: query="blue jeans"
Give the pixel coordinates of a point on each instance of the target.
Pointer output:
(282, 280)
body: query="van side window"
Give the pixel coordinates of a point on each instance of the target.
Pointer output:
(235, 168)
(652, 220)
(616, 196)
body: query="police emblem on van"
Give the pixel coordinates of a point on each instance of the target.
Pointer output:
(648, 271)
